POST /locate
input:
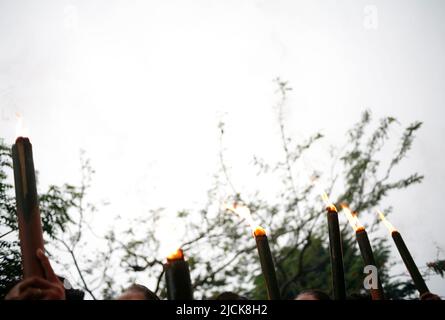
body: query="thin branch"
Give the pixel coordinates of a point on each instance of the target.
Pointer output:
(285, 144)
(300, 264)
(212, 275)
(5, 234)
(77, 268)
(221, 159)
(158, 283)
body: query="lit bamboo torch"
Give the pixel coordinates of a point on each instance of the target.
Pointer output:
(262, 243)
(365, 248)
(177, 276)
(335, 250)
(406, 255)
(27, 202)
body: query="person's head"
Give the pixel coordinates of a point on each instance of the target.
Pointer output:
(137, 292)
(227, 295)
(312, 295)
(359, 296)
(429, 296)
(70, 292)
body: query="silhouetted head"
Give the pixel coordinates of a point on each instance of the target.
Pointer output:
(70, 292)
(227, 295)
(312, 295)
(429, 296)
(137, 292)
(359, 296)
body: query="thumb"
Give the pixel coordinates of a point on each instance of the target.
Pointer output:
(46, 265)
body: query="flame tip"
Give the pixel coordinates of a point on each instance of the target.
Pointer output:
(352, 218)
(329, 205)
(243, 212)
(176, 255)
(20, 129)
(387, 224)
(259, 231)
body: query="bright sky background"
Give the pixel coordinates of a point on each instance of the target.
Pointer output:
(141, 86)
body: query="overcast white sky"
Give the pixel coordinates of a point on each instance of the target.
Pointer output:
(120, 78)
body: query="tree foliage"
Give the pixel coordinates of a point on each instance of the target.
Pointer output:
(61, 209)
(220, 249)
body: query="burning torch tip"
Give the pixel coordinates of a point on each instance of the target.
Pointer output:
(259, 231)
(177, 255)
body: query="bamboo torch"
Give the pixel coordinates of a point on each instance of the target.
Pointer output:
(267, 265)
(365, 248)
(28, 213)
(417, 278)
(177, 276)
(335, 250)
(262, 244)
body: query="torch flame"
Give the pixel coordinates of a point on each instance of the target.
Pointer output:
(20, 130)
(177, 255)
(352, 218)
(329, 205)
(259, 231)
(386, 222)
(244, 212)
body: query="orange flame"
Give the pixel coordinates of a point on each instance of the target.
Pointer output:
(329, 205)
(177, 255)
(259, 231)
(20, 129)
(244, 212)
(352, 218)
(386, 222)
